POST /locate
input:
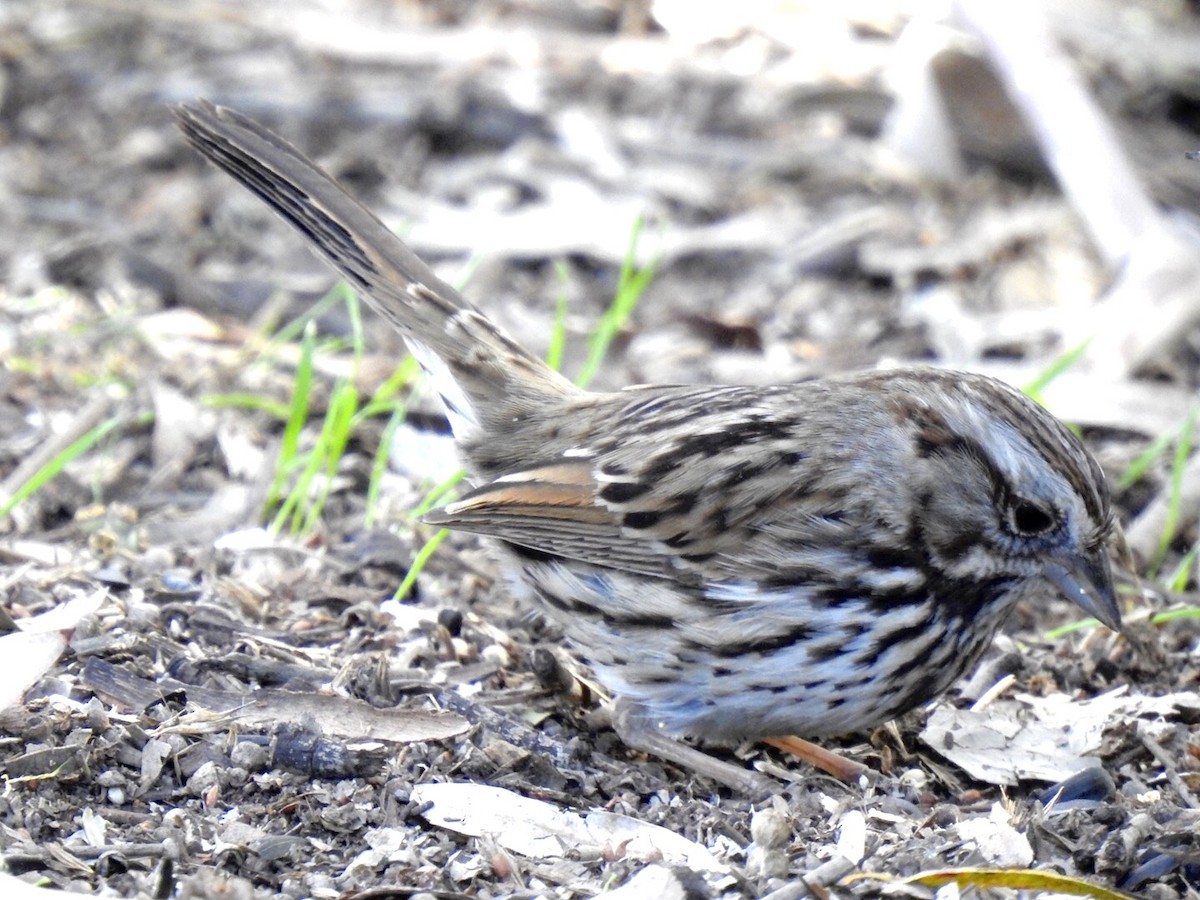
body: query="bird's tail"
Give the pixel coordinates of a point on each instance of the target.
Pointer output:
(483, 376)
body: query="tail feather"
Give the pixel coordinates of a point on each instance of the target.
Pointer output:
(484, 374)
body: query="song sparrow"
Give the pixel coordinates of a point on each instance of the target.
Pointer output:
(734, 562)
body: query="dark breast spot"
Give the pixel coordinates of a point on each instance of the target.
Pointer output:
(762, 646)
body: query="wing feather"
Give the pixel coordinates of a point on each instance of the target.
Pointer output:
(554, 509)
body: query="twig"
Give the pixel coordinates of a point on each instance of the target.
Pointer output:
(1168, 764)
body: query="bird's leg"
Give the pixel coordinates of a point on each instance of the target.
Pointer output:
(631, 726)
(826, 760)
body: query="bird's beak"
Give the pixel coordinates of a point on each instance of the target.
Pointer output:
(1086, 580)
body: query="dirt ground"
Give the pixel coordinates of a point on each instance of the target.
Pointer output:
(243, 711)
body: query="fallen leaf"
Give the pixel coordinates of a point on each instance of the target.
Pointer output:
(539, 829)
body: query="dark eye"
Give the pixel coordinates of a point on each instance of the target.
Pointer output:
(1030, 519)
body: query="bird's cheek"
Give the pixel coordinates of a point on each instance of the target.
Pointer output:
(966, 562)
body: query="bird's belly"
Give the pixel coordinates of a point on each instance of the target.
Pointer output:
(767, 664)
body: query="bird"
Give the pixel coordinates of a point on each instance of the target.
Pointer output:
(734, 562)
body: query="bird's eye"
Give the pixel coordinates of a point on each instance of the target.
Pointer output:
(1030, 519)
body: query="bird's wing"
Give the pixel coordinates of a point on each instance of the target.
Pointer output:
(700, 486)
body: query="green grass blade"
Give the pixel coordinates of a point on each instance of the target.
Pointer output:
(1057, 367)
(1145, 460)
(72, 451)
(558, 334)
(630, 287)
(1175, 615)
(331, 447)
(297, 326)
(434, 497)
(358, 339)
(289, 513)
(380, 464)
(273, 408)
(403, 377)
(1062, 631)
(1178, 581)
(1183, 450)
(466, 272)
(419, 561)
(297, 415)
